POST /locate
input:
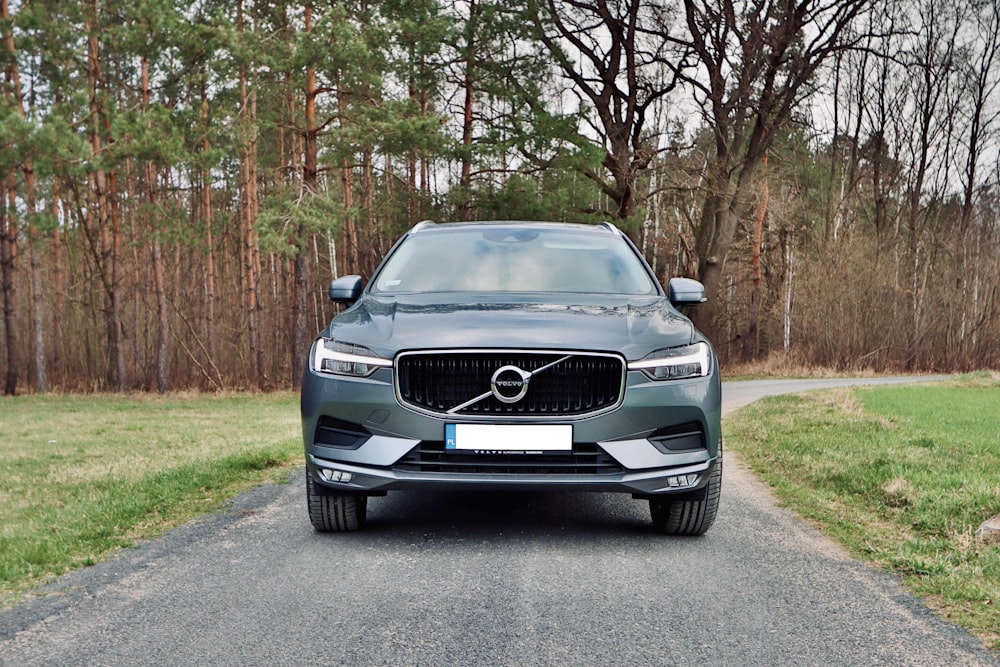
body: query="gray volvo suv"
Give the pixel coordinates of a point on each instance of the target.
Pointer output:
(513, 355)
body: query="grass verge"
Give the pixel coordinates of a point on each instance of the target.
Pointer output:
(83, 476)
(902, 476)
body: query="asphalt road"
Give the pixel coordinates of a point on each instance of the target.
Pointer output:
(477, 579)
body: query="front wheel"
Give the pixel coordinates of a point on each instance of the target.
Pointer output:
(684, 516)
(335, 513)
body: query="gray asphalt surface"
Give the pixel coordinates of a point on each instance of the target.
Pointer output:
(487, 579)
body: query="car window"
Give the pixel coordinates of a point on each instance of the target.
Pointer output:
(498, 259)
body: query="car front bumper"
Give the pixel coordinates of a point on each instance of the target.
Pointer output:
(627, 442)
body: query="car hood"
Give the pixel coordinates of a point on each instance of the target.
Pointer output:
(632, 326)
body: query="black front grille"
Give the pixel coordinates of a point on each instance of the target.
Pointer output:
(578, 385)
(585, 459)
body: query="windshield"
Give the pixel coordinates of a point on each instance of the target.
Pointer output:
(514, 259)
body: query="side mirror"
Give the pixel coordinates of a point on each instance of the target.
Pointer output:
(346, 289)
(685, 292)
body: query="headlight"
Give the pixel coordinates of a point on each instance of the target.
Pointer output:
(676, 363)
(335, 358)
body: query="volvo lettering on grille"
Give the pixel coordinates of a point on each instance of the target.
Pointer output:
(510, 384)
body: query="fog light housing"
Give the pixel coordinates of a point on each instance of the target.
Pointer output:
(330, 475)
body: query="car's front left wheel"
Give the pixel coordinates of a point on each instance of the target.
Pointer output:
(335, 513)
(688, 516)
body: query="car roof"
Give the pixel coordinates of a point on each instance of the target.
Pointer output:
(426, 226)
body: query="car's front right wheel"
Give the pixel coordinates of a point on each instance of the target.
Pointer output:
(335, 513)
(686, 516)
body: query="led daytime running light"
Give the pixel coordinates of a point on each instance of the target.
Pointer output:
(335, 362)
(675, 364)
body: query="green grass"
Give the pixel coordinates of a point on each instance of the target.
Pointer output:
(902, 476)
(83, 476)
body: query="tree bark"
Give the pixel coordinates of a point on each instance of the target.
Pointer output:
(8, 268)
(758, 238)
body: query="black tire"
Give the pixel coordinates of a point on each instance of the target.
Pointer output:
(684, 516)
(335, 513)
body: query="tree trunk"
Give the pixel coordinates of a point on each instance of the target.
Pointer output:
(789, 283)
(37, 313)
(251, 258)
(163, 321)
(719, 221)
(411, 163)
(367, 187)
(8, 255)
(120, 375)
(206, 208)
(58, 281)
(349, 247)
(468, 91)
(758, 238)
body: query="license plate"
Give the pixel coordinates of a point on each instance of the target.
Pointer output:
(508, 438)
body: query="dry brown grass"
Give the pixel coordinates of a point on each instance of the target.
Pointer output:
(782, 364)
(898, 492)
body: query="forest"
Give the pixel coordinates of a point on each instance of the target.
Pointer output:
(180, 181)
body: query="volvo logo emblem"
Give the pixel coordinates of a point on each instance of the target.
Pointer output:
(509, 384)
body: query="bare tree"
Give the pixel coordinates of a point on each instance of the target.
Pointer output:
(981, 81)
(613, 53)
(930, 65)
(756, 61)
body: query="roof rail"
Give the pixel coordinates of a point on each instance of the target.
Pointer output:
(610, 227)
(421, 225)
